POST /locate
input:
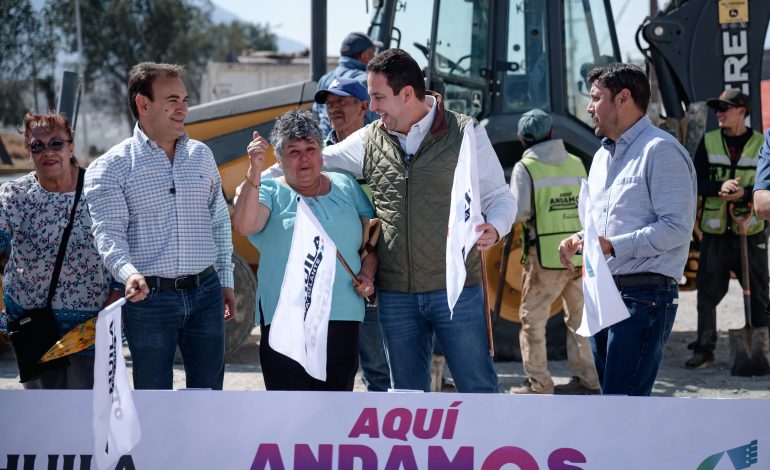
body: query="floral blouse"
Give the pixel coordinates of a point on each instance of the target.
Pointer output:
(32, 221)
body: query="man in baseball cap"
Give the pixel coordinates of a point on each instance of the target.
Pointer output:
(548, 205)
(732, 97)
(346, 103)
(356, 51)
(726, 165)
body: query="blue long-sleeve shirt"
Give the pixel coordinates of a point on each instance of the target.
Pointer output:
(643, 193)
(762, 180)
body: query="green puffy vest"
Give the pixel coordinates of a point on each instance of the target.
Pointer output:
(413, 202)
(715, 218)
(555, 191)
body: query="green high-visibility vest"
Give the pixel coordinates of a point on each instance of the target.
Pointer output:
(555, 191)
(714, 218)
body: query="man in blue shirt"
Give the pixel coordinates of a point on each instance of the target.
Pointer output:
(762, 181)
(643, 191)
(356, 51)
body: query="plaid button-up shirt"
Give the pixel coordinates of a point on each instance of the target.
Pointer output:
(159, 218)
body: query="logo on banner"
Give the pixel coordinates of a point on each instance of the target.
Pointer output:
(312, 261)
(740, 457)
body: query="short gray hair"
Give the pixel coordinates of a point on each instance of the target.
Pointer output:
(295, 125)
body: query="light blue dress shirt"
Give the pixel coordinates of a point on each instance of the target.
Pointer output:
(643, 190)
(156, 217)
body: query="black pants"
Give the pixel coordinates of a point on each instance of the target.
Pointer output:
(720, 254)
(282, 373)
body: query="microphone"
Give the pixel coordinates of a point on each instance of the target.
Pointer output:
(172, 190)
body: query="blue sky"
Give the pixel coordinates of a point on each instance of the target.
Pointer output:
(291, 19)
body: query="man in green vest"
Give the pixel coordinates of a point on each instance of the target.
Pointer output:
(726, 162)
(408, 157)
(546, 185)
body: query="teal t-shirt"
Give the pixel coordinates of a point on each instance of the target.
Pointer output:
(339, 212)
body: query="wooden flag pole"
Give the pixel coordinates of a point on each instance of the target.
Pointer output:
(486, 303)
(353, 276)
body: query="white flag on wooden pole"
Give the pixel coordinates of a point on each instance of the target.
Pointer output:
(464, 216)
(115, 422)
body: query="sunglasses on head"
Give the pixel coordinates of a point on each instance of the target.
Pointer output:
(54, 144)
(722, 107)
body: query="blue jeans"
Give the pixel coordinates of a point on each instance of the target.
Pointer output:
(371, 350)
(408, 324)
(628, 354)
(192, 319)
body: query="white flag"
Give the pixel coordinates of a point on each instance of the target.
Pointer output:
(301, 321)
(602, 304)
(115, 422)
(464, 216)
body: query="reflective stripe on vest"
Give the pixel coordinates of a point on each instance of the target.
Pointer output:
(714, 217)
(555, 191)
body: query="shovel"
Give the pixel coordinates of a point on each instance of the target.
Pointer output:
(749, 346)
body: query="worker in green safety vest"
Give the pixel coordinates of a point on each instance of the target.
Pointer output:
(546, 185)
(726, 163)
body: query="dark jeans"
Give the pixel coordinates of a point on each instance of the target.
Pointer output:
(409, 322)
(192, 319)
(283, 373)
(628, 354)
(720, 254)
(371, 348)
(79, 375)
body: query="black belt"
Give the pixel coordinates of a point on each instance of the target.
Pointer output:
(642, 279)
(180, 283)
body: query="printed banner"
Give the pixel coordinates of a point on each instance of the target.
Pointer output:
(602, 305)
(115, 422)
(200, 429)
(464, 216)
(301, 322)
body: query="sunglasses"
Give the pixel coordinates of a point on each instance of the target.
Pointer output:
(54, 144)
(722, 107)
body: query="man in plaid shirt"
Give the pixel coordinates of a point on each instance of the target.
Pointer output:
(162, 227)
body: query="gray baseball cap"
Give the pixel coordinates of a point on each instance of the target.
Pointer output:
(535, 125)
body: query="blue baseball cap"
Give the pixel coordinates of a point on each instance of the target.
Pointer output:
(535, 125)
(356, 43)
(342, 87)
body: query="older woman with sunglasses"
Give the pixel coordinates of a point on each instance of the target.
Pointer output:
(34, 211)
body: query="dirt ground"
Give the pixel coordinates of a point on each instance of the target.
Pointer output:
(244, 373)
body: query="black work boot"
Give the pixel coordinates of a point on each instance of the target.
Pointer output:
(700, 360)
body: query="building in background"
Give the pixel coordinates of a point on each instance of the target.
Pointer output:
(256, 71)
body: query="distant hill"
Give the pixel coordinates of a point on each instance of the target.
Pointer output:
(222, 15)
(290, 45)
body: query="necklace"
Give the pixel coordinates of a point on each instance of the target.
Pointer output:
(320, 185)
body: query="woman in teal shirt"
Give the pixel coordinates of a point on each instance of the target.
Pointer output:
(265, 212)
